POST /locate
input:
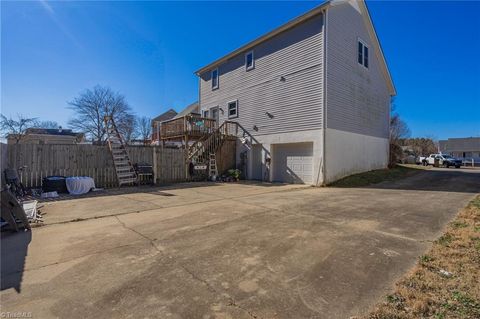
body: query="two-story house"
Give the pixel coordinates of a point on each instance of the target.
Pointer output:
(314, 94)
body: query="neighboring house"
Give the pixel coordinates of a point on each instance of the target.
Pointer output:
(168, 115)
(314, 94)
(462, 148)
(47, 136)
(191, 109)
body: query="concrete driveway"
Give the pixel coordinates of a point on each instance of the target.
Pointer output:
(228, 250)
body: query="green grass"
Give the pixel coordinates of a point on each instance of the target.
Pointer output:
(475, 203)
(445, 239)
(378, 176)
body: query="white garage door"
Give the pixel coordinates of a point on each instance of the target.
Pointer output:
(293, 163)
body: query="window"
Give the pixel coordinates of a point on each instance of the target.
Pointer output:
(215, 79)
(362, 54)
(205, 113)
(249, 61)
(232, 109)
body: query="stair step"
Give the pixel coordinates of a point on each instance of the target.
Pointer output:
(120, 163)
(123, 170)
(127, 181)
(126, 175)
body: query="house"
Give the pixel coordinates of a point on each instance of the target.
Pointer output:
(312, 97)
(46, 136)
(466, 148)
(171, 115)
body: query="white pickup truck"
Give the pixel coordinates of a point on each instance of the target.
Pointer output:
(443, 160)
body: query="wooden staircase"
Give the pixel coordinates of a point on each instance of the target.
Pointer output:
(201, 150)
(123, 166)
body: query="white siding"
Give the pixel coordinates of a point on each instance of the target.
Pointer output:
(295, 103)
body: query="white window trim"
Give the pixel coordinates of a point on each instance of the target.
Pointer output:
(236, 109)
(218, 78)
(253, 61)
(363, 53)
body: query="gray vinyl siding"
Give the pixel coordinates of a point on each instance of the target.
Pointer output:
(296, 103)
(358, 99)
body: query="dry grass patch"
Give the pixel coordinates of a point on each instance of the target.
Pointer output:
(446, 281)
(380, 175)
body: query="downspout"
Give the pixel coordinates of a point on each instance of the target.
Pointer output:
(325, 50)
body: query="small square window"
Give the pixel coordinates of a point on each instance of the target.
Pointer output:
(232, 109)
(215, 79)
(249, 61)
(205, 113)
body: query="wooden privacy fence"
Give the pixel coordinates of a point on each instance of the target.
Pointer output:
(43, 160)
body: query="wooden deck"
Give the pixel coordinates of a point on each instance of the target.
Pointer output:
(194, 127)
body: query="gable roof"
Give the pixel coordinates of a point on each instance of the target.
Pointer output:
(296, 21)
(165, 116)
(192, 108)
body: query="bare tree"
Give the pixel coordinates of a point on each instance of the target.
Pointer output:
(93, 105)
(16, 129)
(144, 127)
(398, 130)
(128, 128)
(420, 145)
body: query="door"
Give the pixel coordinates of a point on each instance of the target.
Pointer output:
(214, 115)
(257, 162)
(293, 163)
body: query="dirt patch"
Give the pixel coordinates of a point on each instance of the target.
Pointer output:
(445, 281)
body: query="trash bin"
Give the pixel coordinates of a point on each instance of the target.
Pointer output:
(436, 162)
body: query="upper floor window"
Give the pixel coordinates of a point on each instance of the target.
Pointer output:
(232, 109)
(215, 79)
(249, 61)
(362, 54)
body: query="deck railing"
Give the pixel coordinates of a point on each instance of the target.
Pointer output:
(192, 125)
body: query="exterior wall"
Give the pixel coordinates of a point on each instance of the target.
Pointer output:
(358, 99)
(463, 148)
(267, 141)
(294, 101)
(349, 153)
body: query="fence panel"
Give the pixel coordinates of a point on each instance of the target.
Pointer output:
(43, 160)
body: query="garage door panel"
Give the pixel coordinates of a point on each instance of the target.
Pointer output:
(293, 163)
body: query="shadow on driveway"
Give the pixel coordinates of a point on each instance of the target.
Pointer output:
(14, 248)
(437, 180)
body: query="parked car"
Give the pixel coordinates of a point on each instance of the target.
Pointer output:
(443, 159)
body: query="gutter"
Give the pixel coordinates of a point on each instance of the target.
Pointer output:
(325, 51)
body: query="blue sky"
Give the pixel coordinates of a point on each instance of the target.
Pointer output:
(148, 51)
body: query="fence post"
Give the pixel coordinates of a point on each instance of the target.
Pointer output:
(154, 160)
